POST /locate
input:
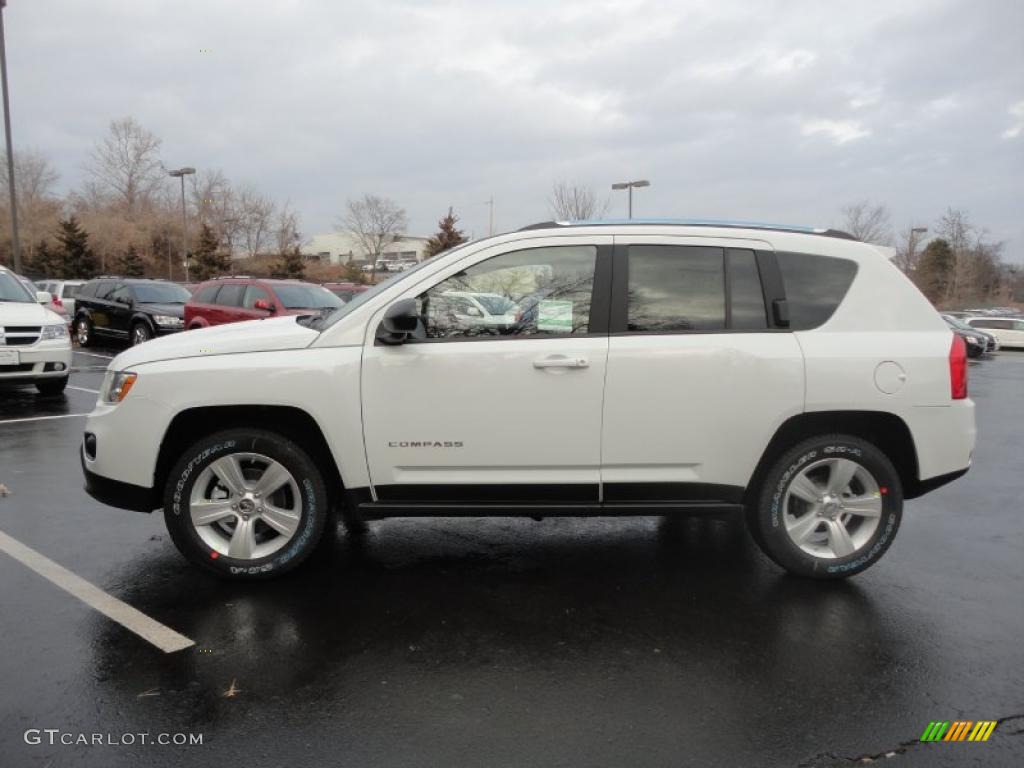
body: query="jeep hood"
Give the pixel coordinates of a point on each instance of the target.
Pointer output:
(268, 335)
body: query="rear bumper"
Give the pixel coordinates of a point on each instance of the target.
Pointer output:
(114, 493)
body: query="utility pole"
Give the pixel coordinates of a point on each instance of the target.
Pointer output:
(15, 246)
(181, 173)
(629, 185)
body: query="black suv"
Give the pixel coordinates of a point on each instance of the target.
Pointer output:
(131, 308)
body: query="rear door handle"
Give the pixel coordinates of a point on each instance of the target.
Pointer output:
(562, 361)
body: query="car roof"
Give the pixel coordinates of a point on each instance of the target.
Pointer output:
(716, 223)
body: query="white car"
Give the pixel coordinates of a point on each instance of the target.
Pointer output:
(662, 368)
(485, 311)
(62, 293)
(1008, 331)
(35, 347)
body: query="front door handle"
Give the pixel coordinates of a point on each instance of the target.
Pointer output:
(562, 361)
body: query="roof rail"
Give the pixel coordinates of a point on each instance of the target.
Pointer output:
(724, 224)
(233, 277)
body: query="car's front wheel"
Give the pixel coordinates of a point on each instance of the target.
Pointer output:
(141, 333)
(52, 386)
(83, 331)
(828, 508)
(246, 504)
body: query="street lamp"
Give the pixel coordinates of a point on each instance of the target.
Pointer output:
(15, 247)
(629, 185)
(182, 173)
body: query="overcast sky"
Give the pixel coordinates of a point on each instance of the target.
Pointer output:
(772, 110)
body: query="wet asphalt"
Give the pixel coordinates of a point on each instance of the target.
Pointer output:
(565, 642)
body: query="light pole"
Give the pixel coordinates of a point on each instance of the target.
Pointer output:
(629, 185)
(15, 247)
(912, 247)
(182, 173)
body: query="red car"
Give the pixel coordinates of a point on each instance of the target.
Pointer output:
(345, 291)
(232, 299)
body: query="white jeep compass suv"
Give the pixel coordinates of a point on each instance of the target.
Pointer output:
(654, 368)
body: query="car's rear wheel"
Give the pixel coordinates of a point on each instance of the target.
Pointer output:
(246, 504)
(141, 333)
(828, 508)
(52, 386)
(83, 331)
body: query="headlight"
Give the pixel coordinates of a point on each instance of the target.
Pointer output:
(117, 385)
(54, 332)
(167, 321)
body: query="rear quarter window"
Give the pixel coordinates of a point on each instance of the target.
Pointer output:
(205, 294)
(815, 286)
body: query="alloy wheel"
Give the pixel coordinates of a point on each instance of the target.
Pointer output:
(832, 508)
(245, 506)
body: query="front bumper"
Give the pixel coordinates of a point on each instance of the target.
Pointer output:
(43, 360)
(114, 493)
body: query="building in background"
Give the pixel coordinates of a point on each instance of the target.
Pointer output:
(342, 248)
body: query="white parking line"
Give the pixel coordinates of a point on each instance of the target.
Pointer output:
(92, 354)
(43, 418)
(132, 619)
(83, 389)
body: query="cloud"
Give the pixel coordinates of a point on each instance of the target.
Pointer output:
(838, 131)
(1015, 130)
(783, 109)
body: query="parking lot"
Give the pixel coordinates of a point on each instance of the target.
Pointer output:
(499, 642)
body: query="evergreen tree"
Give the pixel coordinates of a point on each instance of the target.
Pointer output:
(934, 273)
(447, 237)
(208, 260)
(292, 266)
(47, 261)
(76, 257)
(130, 263)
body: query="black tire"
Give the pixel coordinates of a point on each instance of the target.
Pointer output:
(314, 503)
(84, 332)
(141, 333)
(765, 518)
(52, 386)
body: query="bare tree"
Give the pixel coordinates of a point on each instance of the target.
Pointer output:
(573, 202)
(126, 165)
(38, 208)
(286, 230)
(868, 221)
(254, 214)
(375, 223)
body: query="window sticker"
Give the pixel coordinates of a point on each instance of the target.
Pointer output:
(554, 316)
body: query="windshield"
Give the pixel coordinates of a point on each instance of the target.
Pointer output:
(160, 293)
(302, 296)
(957, 323)
(11, 289)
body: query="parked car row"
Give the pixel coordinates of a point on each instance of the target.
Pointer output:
(139, 309)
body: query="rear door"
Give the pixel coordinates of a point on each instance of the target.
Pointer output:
(228, 308)
(101, 307)
(700, 374)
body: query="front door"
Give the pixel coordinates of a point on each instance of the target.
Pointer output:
(480, 411)
(700, 375)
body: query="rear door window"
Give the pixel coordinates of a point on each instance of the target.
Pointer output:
(231, 295)
(675, 288)
(206, 294)
(815, 286)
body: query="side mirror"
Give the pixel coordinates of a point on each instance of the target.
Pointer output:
(263, 304)
(401, 319)
(43, 297)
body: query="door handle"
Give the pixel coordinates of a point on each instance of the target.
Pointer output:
(561, 361)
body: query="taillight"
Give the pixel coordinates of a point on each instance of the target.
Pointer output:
(958, 368)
